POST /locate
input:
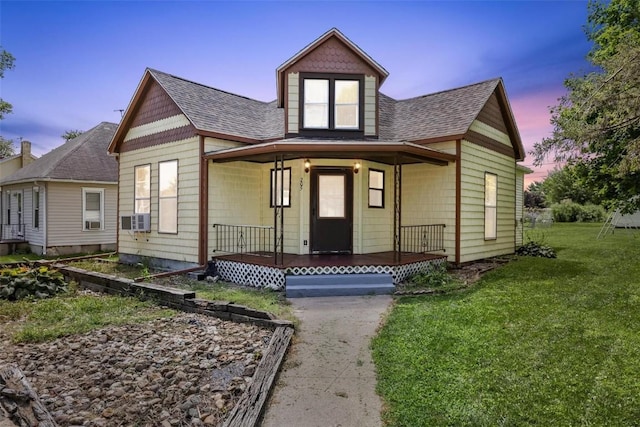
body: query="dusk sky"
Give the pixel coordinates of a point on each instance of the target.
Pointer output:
(78, 62)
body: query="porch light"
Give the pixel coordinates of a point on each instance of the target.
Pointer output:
(307, 165)
(356, 167)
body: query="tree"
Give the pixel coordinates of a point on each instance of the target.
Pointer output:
(596, 125)
(6, 63)
(566, 184)
(534, 197)
(70, 134)
(6, 148)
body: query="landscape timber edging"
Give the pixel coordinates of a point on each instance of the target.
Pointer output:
(249, 409)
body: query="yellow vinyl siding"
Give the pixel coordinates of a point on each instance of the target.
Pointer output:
(293, 93)
(215, 144)
(476, 161)
(519, 206)
(292, 242)
(370, 91)
(374, 225)
(10, 166)
(182, 246)
(64, 215)
(491, 132)
(429, 197)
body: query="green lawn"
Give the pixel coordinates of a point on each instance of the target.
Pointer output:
(536, 342)
(70, 314)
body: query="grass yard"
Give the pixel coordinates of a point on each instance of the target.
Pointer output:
(537, 342)
(68, 314)
(258, 299)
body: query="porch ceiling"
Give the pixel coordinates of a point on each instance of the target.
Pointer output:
(387, 152)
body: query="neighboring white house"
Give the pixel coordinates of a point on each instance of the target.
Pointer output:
(65, 201)
(333, 173)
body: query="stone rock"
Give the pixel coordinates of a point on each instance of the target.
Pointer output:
(185, 370)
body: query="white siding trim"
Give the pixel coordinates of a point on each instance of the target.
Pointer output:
(161, 125)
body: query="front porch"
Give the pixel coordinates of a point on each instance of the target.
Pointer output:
(11, 236)
(262, 271)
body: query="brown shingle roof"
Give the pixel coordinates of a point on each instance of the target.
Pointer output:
(215, 110)
(83, 158)
(441, 114)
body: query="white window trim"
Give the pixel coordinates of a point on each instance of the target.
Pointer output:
(35, 200)
(86, 190)
(275, 194)
(161, 197)
(489, 208)
(135, 186)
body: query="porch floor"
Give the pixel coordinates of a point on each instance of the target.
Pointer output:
(329, 260)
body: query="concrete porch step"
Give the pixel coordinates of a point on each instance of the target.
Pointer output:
(323, 285)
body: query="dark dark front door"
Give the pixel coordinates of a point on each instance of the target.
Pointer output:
(331, 210)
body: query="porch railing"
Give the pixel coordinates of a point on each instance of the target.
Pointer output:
(422, 238)
(243, 239)
(11, 231)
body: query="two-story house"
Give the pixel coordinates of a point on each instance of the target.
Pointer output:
(332, 179)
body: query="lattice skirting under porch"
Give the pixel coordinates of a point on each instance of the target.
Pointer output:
(262, 276)
(259, 276)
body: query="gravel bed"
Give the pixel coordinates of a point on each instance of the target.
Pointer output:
(186, 370)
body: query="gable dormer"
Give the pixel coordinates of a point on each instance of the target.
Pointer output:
(330, 89)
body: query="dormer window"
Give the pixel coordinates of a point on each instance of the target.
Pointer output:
(331, 104)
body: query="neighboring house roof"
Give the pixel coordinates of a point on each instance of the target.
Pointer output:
(83, 158)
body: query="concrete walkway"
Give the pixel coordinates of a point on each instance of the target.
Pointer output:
(328, 378)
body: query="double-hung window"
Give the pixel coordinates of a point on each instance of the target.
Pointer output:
(168, 197)
(35, 195)
(142, 176)
(280, 195)
(490, 206)
(376, 188)
(332, 103)
(93, 209)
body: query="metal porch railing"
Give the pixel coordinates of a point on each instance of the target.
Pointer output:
(422, 238)
(244, 239)
(12, 231)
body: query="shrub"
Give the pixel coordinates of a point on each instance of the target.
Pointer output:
(434, 276)
(39, 282)
(568, 211)
(591, 213)
(536, 249)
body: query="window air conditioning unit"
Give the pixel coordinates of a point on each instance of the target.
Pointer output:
(136, 222)
(92, 225)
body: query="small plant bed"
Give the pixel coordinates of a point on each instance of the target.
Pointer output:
(262, 299)
(111, 361)
(433, 280)
(535, 245)
(442, 279)
(23, 281)
(259, 299)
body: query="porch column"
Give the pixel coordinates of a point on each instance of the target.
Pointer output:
(397, 209)
(278, 210)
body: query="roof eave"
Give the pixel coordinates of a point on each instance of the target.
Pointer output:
(328, 149)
